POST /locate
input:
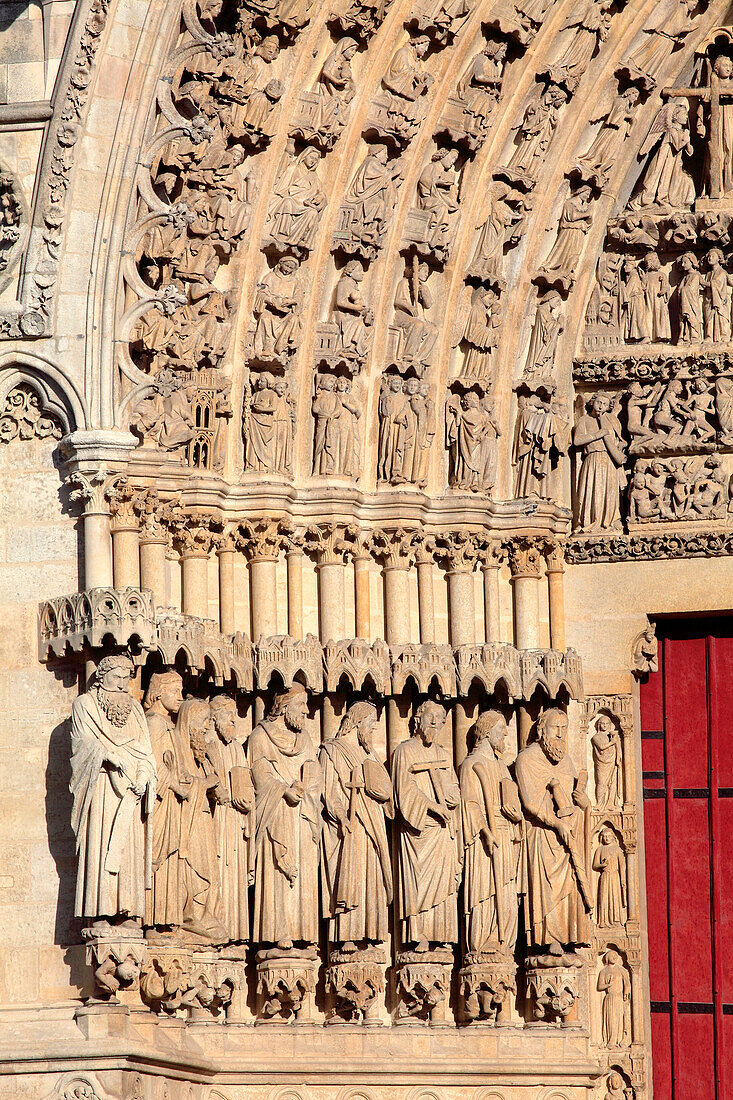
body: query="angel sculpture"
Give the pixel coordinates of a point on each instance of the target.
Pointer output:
(665, 182)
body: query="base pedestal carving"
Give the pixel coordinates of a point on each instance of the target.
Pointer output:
(554, 988)
(117, 955)
(422, 982)
(355, 982)
(286, 985)
(488, 982)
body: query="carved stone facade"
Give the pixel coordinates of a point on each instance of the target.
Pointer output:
(366, 393)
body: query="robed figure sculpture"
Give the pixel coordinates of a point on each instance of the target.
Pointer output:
(427, 794)
(356, 864)
(558, 834)
(113, 790)
(287, 783)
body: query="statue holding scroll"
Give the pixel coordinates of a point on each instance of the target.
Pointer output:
(427, 795)
(558, 835)
(113, 789)
(356, 865)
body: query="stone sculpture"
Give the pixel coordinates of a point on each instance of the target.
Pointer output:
(268, 424)
(549, 324)
(407, 82)
(591, 28)
(437, 197)
(609, 862)
(277, 312)
(665, 182)
(671, 26)
(113, 786)
(412, 304)
(596, 165)
(471, 438)
(542, 438)
(356, 865)
(689, 299)
(507, 208)
(352, 315)
(607, 757)
(234, 801)
(559, 900)
(575, 221)
(613, 983)
(481, 334)
(288, 783)
(427, 796)
(368, 204)
(536, 129)
(325, 110)
(337, 442)
(598, 436)
(297, 205)
(492, 835)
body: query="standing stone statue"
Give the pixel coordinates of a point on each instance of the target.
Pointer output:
(492, 837)
(598, 436)
(113, 789)
(287, 781)
(558, 893)
(606, 748)
(232, 817)
(609, 862)
(201, 905)
(357, 797)
(163, 701)
(615, 985)
(427, 794)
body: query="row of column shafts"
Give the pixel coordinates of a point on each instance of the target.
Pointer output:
(116, 554)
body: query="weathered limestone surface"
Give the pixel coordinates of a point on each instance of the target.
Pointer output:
(366, 392)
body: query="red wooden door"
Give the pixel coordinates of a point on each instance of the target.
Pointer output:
(687, 761)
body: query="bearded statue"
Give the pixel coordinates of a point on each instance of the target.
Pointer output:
(558, 891)
(113, 783)
(287, 783)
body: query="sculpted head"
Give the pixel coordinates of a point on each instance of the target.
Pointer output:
(429, 721)
(362, 718)
(552, 729)
(604, 724)
(491, 727)
(611, 957)
(195, 719)
(288, 265)
(422, 45)
(381, 152)
(292, 707)
(224, 713)
(111, 682)
(723, 66)
(354, 270)
(165, 688)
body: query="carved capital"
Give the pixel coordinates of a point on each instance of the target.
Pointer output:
(327, 542)
(360, 541)
(554, 556)
(122, 499)
(458, 551)
(294, 539)
(426, 549)
(226, 541)
(263, 539)
(155, 515)
(491, 554)
(525, 556)
(645, 652)
(394, 548)
(94, 489)
(195, 533)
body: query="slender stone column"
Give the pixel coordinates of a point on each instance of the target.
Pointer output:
(555, 568)
(459, 552)
(226, 552)
(362, 597)
(94, 489)
(491, 556)
(395, 549)
(125, 548)
(154, 536)
(525, 563)
(425, 557)
(326, 541)
(195, 537)
(262, 542)
(294, 560)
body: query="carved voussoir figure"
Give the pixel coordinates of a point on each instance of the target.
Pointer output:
(113, 785)
(542, 438)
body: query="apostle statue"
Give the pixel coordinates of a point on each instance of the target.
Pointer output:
(163, 701)
(234, 801)
(287, 781)
(202, 912)
(598, 437)
(113, 790)
(427, 794)
(356, 864)
(492, 837)
(558, 893)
